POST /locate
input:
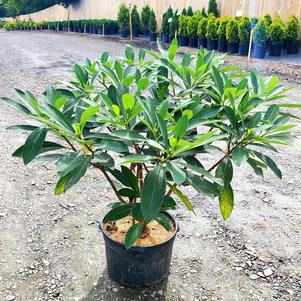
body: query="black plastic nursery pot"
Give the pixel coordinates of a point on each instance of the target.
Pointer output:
(165, 38)
(222, 46)
(124, 33)
(146, 32)
(202, 42)
(259, 51)
(212, 44)
(170, 38)
(244, 48)
(153, 37)
(183, 41)
(193, 42)
(233, 48)
(275, 49)
(136, 32)
(138, 266)
(292, 47)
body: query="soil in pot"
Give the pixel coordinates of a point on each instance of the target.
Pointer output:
(233, 47)
(244, 48)
(212, 44)
(153, 37)
(183, 41)
(193, 42)
(202, 42)
(222, 46)
(259, 51)
(144, 264)
(275, 49)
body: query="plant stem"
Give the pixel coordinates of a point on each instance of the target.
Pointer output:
(70, 144)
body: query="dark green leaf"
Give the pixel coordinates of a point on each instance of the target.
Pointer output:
(104, 159)
(225, 171)
(178, 175)
(118, 213)
(132, 235)
(163, 220)
(240, 155)
(181, 127)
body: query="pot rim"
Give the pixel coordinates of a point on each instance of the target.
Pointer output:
(176, 230)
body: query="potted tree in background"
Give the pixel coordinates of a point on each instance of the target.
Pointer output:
(211, 34)
(165, 25)
(261, 38)
(145, 19)
(203, 13)
(244, 33)
(123, 20)
(173, 27)
(152, 26)
(183, 36)
(292, 35)
(192, 30)
(221, 32)
(202, 41)
(212, 8)
(135, 21)
(190, 12)
(277, 36)
(232, 36)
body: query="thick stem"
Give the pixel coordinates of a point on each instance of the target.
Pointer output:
(69, 143)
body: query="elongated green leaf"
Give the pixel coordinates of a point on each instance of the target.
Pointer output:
(127, 192)
(181, 127)
(104, 159)
(128, 135)
(143, 83)
(130, 178)
(118, 213)
(136, 158)
(182, 197)
(272, 113)
(201, 185)
(178, 175)
(22, 127)
(172, 50)
(163, 220)
(225, 171)
(128, 101)
(226, 202)
(240, 155)
(72, 164)
(33, 144)
(87, 114)
(153, 193)
(163, 130)
(168, 204)
(132, 235)
(218, 79)
(270, 163)
(15, 105)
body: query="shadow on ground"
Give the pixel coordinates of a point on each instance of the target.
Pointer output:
(107, 290)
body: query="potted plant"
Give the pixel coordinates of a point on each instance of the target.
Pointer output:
(292, 34)
(244, 33)
(172, 28)
(123, 20)
(152, 26)
(277, 35)
(211, 34)
(135, 21)
(190, 12)
(212, 8)
(183, 36)
(192, 30)
(232, 36)
(145, 19)
(203, 13)
(268, 19)
(148, 151)
(221, 33)
(165, 24)
(202, 41)
(261, 37)
(184, 12)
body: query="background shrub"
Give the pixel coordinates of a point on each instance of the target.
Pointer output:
(277, 32)
(135, 18)
(190, 11)
(166, 17)
(232, 31)
(152, 26)
(244, 29)
(123, 17)
(261, 32)
(145, 17)
(268, 18)
(183, 22)
(292, 29)
(173, 25)
(202, 27)
(221, 31)
(211, 29)
(212, 8)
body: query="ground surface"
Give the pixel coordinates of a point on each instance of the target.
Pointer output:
(51, 249)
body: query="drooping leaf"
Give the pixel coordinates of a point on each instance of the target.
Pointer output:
(182, 197)
(240, 155)
(226, 202)
(104, 159)
(178, 175)
(132, 235)
(225, 171)
(118, 213)
(163, 220)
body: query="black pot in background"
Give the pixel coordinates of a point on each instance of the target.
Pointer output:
(75, 29)
(153, 37)
(284, 46)
(233, 47)
(170, 38)
(244, 48)
(193, 42)
(138, 266)
(136, 32)
(292, 47)
(202, 42)
(212, 44)
(183, 41)
(275, 49)
(259, 51)
(124, 33)
(146, 32)
(222, 46)
(165, 38)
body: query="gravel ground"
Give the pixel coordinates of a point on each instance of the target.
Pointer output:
(51, 249)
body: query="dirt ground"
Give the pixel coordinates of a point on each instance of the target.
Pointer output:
(51, 249)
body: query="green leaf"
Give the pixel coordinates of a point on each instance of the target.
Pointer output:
(81, 74)
(104, 159)
(163, 130)
(272, 113)
(226, 202)
(130, 178)
(136, 158)
(201, 185)
(71, 163)
(163, 220)
(182, 197)
(173, 48)
(132, 235)
(137, 213)
(225, 171)
(168, 204)
(15, 105)
(128, 135)
(127, 192)
(118, 213)
(128, 101)
(240, 155)
(87, 114)
(153, 193)
(143, 83)
(22, 127)
(218, 79)
(178, 175)
(33, 144)
(181, 127)
(270, 163)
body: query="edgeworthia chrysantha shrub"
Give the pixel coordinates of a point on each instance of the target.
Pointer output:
(146, 123)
